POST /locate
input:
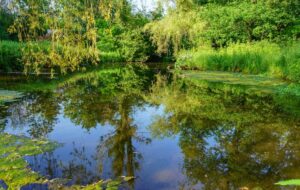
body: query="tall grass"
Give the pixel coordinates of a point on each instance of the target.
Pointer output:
(10, 56)
(252, 58)
(111, 57)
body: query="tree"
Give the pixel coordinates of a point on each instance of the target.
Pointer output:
(70, 26)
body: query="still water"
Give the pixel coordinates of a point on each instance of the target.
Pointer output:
(168, 133)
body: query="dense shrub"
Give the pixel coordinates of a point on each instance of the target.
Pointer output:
(6, 20)
(219, 23)
(10, 56)
(110, 57)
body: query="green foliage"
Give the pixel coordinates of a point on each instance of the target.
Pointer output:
(125, 37)
(111, 57)
(176, 31)
(246, 21)
(252, 58)
(6, 20)
(218, 23)
(71, 29)
(10, 56)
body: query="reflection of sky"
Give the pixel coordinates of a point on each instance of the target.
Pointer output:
(160, 167)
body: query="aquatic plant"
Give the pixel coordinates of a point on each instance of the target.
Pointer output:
(13, 168)
(15, 173)
(291, 182)
(9, 96)
(262, 58)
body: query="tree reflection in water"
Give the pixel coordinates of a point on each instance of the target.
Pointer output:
(228, 141)
(96, 98)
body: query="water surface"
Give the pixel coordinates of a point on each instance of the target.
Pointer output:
(168, 133)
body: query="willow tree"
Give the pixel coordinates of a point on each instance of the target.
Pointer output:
(70, 28)
(176, 31)
(115, 10)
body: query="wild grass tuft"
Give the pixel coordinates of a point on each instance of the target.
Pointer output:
(249, 58)
(10, 56)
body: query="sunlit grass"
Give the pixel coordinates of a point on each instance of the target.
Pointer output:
(263, 57)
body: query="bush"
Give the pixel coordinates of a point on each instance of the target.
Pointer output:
(110, 57)
(10, 56)
(291, 56)
(250, 58)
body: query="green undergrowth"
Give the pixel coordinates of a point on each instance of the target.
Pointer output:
(269, 59)
(14, 169)
(11, 55)
(110, 57)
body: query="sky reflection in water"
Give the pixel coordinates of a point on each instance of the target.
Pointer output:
(170, 138)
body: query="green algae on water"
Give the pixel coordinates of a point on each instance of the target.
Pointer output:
(14, 170)
(9, 96)
(291, 182)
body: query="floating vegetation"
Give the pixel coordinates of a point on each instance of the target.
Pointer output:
(253, 83)
(15, 173)
(291, 182)
(101, 185)
(9, 96)
(14, 169)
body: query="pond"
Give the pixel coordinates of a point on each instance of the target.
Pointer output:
(167, 132)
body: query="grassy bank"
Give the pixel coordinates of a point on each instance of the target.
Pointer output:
(11, 55)
(264, 58)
